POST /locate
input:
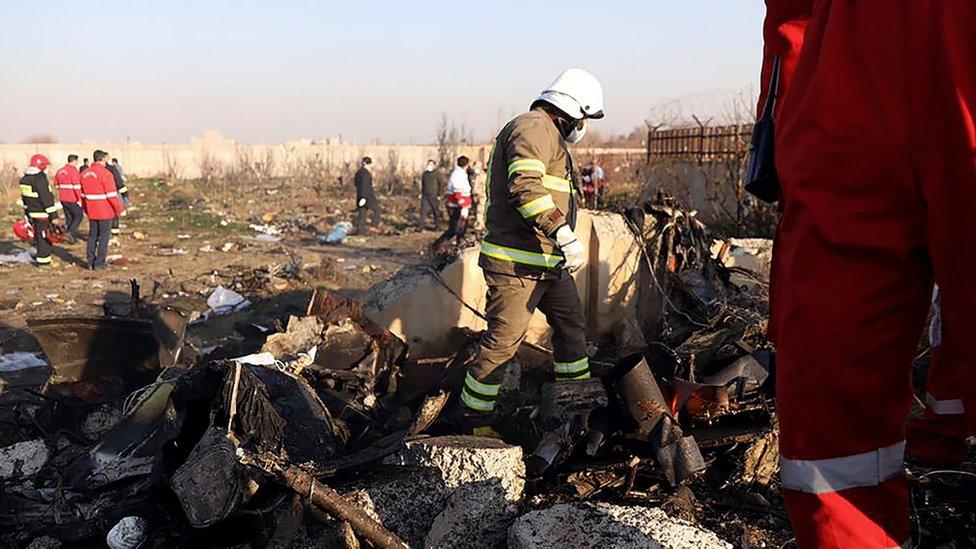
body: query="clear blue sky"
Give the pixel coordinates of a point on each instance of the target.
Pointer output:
(257, 71)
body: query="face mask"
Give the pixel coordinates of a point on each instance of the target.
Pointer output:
(579, 130)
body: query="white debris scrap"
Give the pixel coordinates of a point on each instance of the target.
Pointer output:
(223, 301)
(11, 362)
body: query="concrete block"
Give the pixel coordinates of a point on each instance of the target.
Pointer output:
(608, 288)
(474, 518)
(602, 525)
(405, 500)
(23, 460)
(462, 460)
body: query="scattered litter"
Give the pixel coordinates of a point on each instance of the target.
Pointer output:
(265, 229)
(228, 246)
(138, 235)
(183, 237)
(223, 301)
(11, 362)
(337, 234)
(26, 256)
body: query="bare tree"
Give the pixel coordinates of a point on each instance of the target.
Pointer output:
(450, 136)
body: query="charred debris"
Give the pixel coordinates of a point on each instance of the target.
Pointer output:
(236, 445)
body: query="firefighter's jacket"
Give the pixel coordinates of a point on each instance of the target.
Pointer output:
(531, 193)
(35, 193)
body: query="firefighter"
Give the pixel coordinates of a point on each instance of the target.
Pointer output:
(457, 198)
(530, 248)
(39, 206)
(120, 187)
(100, 199)
(876, 155)
(366, 197)
(68, 182)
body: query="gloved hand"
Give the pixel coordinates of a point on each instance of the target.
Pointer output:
(361, 203)
(571, 247)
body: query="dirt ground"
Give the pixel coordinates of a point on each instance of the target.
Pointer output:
(180, 241)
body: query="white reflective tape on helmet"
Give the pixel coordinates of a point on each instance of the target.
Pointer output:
(823, 476)
(950, 407)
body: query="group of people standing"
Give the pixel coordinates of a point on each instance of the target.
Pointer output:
(97, 191)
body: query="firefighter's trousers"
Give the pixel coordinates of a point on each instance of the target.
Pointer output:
(510, 304)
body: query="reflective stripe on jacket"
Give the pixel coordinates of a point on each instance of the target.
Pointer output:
(35, 194)
(530, 195)
(68, 182)
(99, 196)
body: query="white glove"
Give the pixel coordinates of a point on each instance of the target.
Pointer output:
(362, 202)
(571, 247)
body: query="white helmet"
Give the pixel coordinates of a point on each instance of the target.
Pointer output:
(575, 92)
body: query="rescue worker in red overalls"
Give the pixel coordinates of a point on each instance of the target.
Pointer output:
(874, 148)
(68, 182)
(100, 198)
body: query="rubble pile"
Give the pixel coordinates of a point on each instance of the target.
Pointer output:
(326, 429)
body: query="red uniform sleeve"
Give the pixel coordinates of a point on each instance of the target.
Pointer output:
(783, 31)
(108, 187)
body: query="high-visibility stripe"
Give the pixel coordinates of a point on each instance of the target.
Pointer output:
(822, 476)
(111, 194)
(124, 190)
(520, 256)
(572, 367)
(537, 206)
(43, 260)
(476, 403)
(526, 165)
(69, 187)
(28, 192)
(557, 184)
(38, 215)
(574, 377)
(51, 209)
(950, 407)
(487, 389)
(95, 196)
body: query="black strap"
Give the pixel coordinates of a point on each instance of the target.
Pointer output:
(770, 105)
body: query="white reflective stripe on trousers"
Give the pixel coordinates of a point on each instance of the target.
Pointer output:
(950, 407)
(822, 476)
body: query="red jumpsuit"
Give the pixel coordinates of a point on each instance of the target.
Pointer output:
(876, 153)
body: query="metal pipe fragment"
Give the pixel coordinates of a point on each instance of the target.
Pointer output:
(333, 502)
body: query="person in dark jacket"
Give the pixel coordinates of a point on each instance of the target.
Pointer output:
(366, 197)
(430, 191)
(116, 170)
(39, 207)
(84, 165)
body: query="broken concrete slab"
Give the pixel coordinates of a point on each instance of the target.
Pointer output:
(23, 460)
(404, 499)
(473, 518)
(464, 459)
(601, 525)
(608, 288)
(754, 255)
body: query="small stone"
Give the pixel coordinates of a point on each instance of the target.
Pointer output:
(23, 460)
